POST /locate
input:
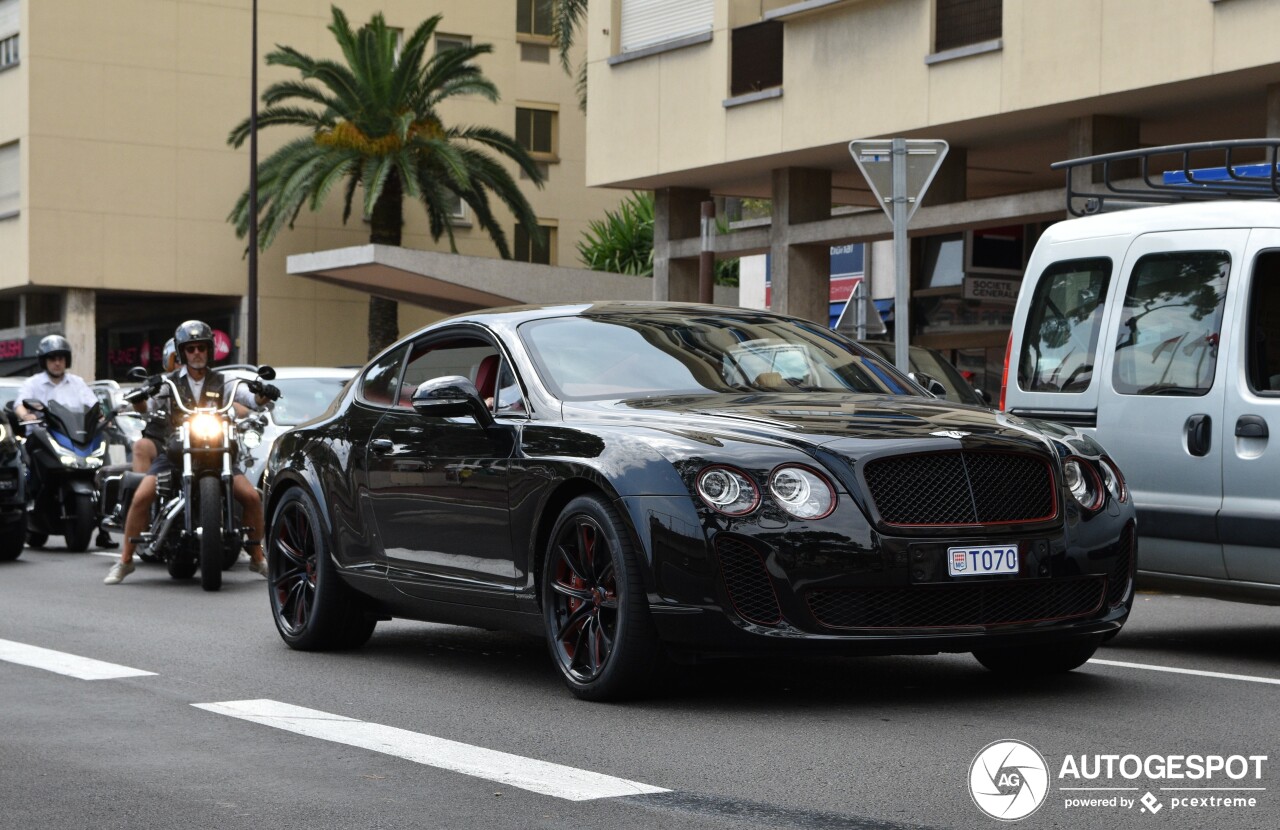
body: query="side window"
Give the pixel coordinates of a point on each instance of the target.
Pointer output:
(471, 358)
(1167, 340)
(1264, 326)
(1061, 339)
(379, 385)
(508, 400)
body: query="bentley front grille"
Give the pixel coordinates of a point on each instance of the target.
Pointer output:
(951, 605)
(961, 488)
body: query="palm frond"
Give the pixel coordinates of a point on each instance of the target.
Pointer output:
(567, 16)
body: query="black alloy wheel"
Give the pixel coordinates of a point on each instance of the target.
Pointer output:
(594, 606)
(313, 608)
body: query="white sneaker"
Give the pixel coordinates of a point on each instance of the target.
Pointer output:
(259, 567)
(118, 572)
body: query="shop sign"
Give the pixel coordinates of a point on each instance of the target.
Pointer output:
(991, 289)
(10, 349)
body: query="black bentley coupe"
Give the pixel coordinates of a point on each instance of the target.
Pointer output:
(643, 482)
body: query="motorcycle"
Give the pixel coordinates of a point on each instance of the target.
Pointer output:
(65, 446)
(13, 484)
(195, 523)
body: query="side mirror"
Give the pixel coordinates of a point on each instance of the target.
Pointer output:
(984, 394)
(931, 384)
(451, 396)
(137, 373)
(266, 372)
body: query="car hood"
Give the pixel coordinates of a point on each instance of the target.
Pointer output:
(817, 419)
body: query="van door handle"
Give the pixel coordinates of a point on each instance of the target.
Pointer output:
(1251, 426)
(1199, 429)
(382, 446)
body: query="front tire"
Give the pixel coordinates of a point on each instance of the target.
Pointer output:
(210, 533)
(11, 539)
(1039, 660)
(36, 540)
(78, 530)
(313, 608)
(594, 609)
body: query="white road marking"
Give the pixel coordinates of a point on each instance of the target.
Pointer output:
(501, 767)
(60, 662)
(1198, 673)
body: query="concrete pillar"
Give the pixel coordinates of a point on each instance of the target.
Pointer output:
(1273, 111)
(80, 327)
(801, 274)
(677, 214)
(1094, 135)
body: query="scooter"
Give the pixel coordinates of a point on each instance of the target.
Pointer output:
(66, 446)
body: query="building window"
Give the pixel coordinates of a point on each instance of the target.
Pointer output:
(536, 132)
(543, 254)
(533, 17)
(964, 22)
(446, 42)
(757, 58)
(10, 193)
(646, 23)
(8, 33)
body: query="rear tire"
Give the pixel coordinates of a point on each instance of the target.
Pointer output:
(313, 608)
(80, 523)
(11, 539)
(210, 533)
(594, 609)
(1039, 660)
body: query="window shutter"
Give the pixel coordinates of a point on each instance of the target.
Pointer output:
(8, 17)
(650, 22)
(9, 193)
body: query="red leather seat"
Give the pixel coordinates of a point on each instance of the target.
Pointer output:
(487, 376)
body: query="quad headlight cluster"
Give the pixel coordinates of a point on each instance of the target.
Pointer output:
(1088, 483)
(800, 491)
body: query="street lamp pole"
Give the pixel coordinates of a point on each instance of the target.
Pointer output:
(253, 195)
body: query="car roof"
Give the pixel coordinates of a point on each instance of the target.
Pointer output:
(297, 372)
(1188, 216)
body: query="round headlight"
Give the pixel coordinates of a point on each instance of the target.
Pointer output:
(1114, 481)
(727, 491)
(1082, 482)
(206, 427)
(802, 492)
(251, 438)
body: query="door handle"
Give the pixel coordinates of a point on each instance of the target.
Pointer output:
(1199, 429)
(1251, 426)
(382, 446)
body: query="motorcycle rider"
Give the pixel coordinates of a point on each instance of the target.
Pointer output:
(53, 383)
(147, 447)
(198, 384)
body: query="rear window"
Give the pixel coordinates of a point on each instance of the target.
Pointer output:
(1061, 340)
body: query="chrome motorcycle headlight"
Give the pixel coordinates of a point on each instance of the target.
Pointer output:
(205, 426)
(251, 438)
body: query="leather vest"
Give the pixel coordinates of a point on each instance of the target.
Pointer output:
(210, 395)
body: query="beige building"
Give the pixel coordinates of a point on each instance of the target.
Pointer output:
(116, 179)
(759, 98)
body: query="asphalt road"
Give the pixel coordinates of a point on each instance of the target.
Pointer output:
(875, 743)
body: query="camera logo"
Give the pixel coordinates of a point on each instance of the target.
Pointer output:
(1008, 780)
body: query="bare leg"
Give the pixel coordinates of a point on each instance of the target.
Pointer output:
(251, 504)
(144, 452)
(139, 511)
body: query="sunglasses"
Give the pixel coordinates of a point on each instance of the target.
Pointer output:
(195, 347)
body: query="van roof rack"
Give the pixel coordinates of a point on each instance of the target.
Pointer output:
(1247, 169)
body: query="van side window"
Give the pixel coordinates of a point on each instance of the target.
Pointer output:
(1061, 339)
(1167, 340)
(1264, 325)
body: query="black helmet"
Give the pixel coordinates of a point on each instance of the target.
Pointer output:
(54, 344)
(192, 331)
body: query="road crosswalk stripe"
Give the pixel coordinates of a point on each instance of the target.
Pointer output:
(71, 665)
(504, 768)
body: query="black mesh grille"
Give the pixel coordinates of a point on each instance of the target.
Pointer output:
(945, 606)
(1118, 582)
(961, 488)
(961, 22)
(747, 581)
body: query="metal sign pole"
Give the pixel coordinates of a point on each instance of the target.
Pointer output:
(901, 258)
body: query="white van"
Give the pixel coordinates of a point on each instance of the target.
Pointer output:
(1158, 330)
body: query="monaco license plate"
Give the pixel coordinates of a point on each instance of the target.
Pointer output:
(981, 560)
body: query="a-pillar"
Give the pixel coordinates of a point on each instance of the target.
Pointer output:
(80, 327)
(800, 274)
(677, 214)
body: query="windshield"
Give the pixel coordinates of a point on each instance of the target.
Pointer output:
(607, 356)
(302, 399)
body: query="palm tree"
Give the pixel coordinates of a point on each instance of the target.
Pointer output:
(372, 123)
(567, 16)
